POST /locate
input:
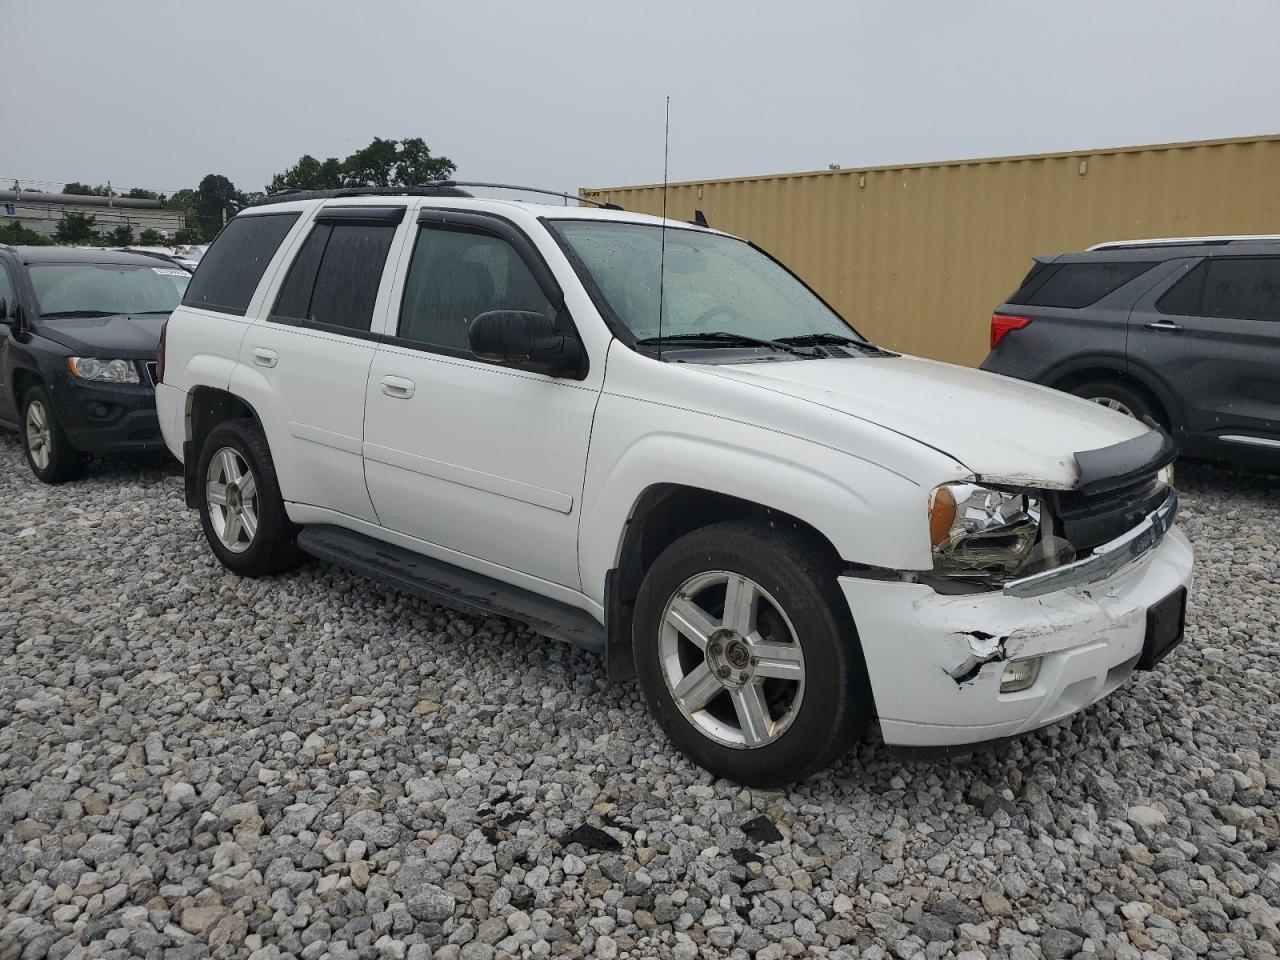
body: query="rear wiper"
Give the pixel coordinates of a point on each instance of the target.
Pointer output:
(726, 338)
(78, 313)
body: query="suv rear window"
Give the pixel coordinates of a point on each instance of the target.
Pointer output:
(1244, 288)
(1076, 284)
(231, 268)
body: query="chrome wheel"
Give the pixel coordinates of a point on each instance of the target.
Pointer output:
(1111, 403)
(232, 495)
(731, 659)
(38, 434)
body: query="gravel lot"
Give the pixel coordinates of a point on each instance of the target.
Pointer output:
(308, 766)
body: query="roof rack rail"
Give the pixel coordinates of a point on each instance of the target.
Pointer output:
(435, 188)
(602, 204)
(1185, 241)
(439, 188)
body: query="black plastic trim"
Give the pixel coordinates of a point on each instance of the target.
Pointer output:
(1116, 466)
(372, 216)
(190, 487)
(451, 586)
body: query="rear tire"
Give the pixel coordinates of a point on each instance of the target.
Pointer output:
(50, 454)
(772, 691)
(1120, 397)
(241, 508)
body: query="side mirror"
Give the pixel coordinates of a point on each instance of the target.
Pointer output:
(524, 339)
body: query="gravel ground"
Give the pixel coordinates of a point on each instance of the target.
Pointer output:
(309, 766)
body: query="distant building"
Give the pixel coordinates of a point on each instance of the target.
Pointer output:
(42, 212)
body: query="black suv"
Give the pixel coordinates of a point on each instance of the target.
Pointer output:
(78, 354)
(1185, 331)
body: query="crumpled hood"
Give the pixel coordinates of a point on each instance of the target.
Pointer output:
(123, 336)
(1004, 430)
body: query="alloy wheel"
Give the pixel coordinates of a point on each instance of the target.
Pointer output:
(38, 434)
(1111, 403)
(731, 659)
(232, 495)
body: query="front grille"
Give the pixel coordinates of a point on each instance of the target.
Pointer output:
(1088, 521)
(152, 367)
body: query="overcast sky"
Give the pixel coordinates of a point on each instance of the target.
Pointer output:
(569, 94)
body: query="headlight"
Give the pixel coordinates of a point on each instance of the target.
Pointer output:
(980, 533)
(103, 371)
(1165, 475)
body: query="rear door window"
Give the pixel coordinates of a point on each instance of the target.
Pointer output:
(1074, 285)
(231, 269)
(1238, 288)
(334, 279)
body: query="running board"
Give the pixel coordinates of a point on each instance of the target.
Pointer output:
(451, 586)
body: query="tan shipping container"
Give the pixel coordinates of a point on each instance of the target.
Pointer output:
(917, 256)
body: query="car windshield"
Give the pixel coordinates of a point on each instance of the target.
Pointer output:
(711, 284)
(100, 289)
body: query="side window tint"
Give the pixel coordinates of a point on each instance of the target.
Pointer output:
(230, 270)
(1244, 289)
(334, 278)
(7, 291)
(294, 300)
(1079, 284)
(456, 275)
(1183, 298)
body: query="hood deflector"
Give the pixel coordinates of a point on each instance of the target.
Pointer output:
(1109, 468)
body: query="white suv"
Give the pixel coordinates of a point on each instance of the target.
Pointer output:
(654, 441)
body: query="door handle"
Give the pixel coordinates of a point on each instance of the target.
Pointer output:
(1168, 326)
(398, 388)
(264, 357)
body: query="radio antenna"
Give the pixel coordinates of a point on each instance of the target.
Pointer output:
(662, 255)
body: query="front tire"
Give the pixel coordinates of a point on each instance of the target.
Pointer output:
(747, 655)
(241, 508)
(50, 454)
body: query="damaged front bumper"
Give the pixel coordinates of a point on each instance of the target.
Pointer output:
(936, 662)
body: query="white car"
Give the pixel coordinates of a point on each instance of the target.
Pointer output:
(652, 440)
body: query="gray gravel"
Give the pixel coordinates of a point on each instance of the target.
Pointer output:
(309, 766)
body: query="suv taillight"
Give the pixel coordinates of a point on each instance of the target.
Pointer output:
(164, 327)
(1002, 323)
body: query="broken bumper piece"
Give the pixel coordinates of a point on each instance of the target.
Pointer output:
(936, 662)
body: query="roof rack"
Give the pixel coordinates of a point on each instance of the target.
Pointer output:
(440, 188)
(436, 188)
(1184, 241)
(156, 254)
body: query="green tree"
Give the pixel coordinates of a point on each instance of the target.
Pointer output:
(309, 174)
(383, 163)
(84, 190)
(76, 228)
(188, 235)
(215, 198)
(182, 200)
(152, 238)
(14, 232)
(121, 236)
(137, 193)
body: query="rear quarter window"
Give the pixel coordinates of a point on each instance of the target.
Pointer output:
(231, 269)
(1077, 284)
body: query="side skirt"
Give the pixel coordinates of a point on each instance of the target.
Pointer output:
(451, 586)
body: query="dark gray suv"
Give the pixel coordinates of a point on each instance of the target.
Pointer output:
(1185, 331)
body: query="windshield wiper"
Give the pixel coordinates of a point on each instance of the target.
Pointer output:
(78, 313)
(815, 339)
(728, 339)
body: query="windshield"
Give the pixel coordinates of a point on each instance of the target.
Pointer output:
(98, 289)
(711, 284)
